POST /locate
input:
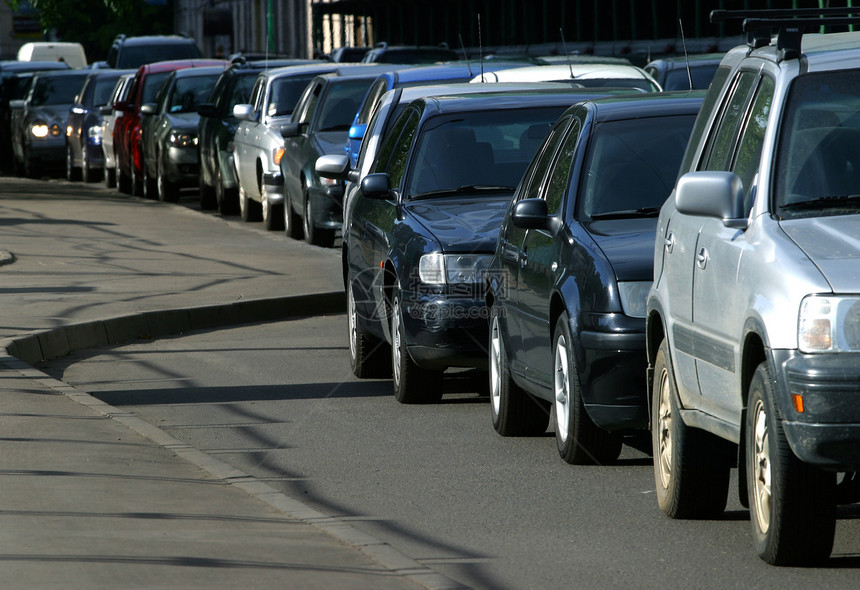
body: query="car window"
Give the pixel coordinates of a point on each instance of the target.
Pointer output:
(400, 153)
(537, 170)
(102, 90)
(307, 103)
(257, 93)
(390, 142)
(749, 149)
(190, 92)
(710, 101)
(559, 177)
(721, 144)
(284, 93)
(818, 164)
(632, 165)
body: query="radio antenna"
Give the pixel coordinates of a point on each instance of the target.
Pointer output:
(567, 55)
(686, 57)
(465, 56)
(480, 48)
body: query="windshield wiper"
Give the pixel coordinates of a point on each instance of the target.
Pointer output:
(466, 188)
(628, 213)
(828, 202)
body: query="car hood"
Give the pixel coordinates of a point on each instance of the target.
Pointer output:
(51, 113)
(628, 244)
(463, 224)
(833, 245)
(183, 121)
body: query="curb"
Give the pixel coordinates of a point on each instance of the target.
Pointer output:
(57, 342)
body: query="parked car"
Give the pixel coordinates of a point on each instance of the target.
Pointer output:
(14, 82)
(422, 229)
(217, 129)
(593, 75)
(409, 54)
(84, 130)
(571, 271)
(313, 206)
(127, 132)
(752, 322)
(676, 73)
(70, 53)
(109, 118)
(259, 145)
(133, 52)
(349, 54)
(38, 120)
(169, 145)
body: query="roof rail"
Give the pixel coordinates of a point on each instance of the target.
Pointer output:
(791, 23)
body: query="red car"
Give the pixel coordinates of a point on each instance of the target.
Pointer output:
(126, 133)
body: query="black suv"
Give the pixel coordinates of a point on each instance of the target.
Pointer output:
(133, 52)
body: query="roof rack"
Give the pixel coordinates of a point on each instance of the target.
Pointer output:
(791, 23)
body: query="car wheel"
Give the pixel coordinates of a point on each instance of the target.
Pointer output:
(228, 199)
(207, 195)
(123, 181)
(88, 173)
(73, 173)
(273, 218)
(317, 236)
(249, 209)
(579, 440)
(136, 181)
(109, 177)
(412, 384)
(167, 191)
(292, 221)
(150, 185)
(792, 504)
(515, 412)
(691, 467)
(368, 355)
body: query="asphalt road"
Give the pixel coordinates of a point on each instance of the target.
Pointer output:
(278, 401)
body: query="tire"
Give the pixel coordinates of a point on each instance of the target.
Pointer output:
(292, 221)
(323, 237)
(136, 181)
(691, 467)
(792, 504)
(123, 181)
(88, 173)
(208, 201)
(369, 356)
(412, 384)
(227, 199)
(249, 209)
(579, 440)
(514, 412)
(73, 173)
(109, 177)
(167, 191)
(150, 185)
(273, 217)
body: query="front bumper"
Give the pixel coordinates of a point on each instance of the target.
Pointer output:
(442, 331)
(50, 151)
(182, 166)
(611, 370)
(827, 432)
(274, 184)
(327, 205)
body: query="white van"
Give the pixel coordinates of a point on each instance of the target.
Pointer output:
(71, 53)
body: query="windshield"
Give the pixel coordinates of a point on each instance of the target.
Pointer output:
(151, 84)
(341, 104)
(56, 90)
(477, 150)
(818, 164)
(189, 92)
(103, 89)
(632, 166)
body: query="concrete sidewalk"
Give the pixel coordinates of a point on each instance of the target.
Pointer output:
(92, 497)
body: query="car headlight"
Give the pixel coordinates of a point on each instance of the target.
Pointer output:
(440, 269)
(94, 135)
(634, 297)
(829, 324)
(182, 140)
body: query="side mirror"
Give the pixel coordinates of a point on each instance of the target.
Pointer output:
(333, 166)
(16, 104)
(244, 112)
(289, 130)
(376, 186)
(712, 194)
(149, 108)
(358, 131)
(123, 106)
(206, 109)
(105, 110)
(531, 214)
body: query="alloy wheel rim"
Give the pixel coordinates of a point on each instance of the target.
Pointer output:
(664, 431)
(395, 341)
(307, 220)
(353, 330)
(495, 368)
(561, 389)
(761, 466)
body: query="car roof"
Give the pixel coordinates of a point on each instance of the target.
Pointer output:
(81, 72)
(653, 104)
(167, 66)
(13, 65)
(565, 71)
(680, 61)
(152, 39)
(201, 71)
(411, 93)
(307, 69)
(504, 99)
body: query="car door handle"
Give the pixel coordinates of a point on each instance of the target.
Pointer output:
(523, 258)
(669, 243)
(702, 257)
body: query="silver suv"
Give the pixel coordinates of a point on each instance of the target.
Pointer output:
(753, 327)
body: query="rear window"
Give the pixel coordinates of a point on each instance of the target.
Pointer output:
(134, 56)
